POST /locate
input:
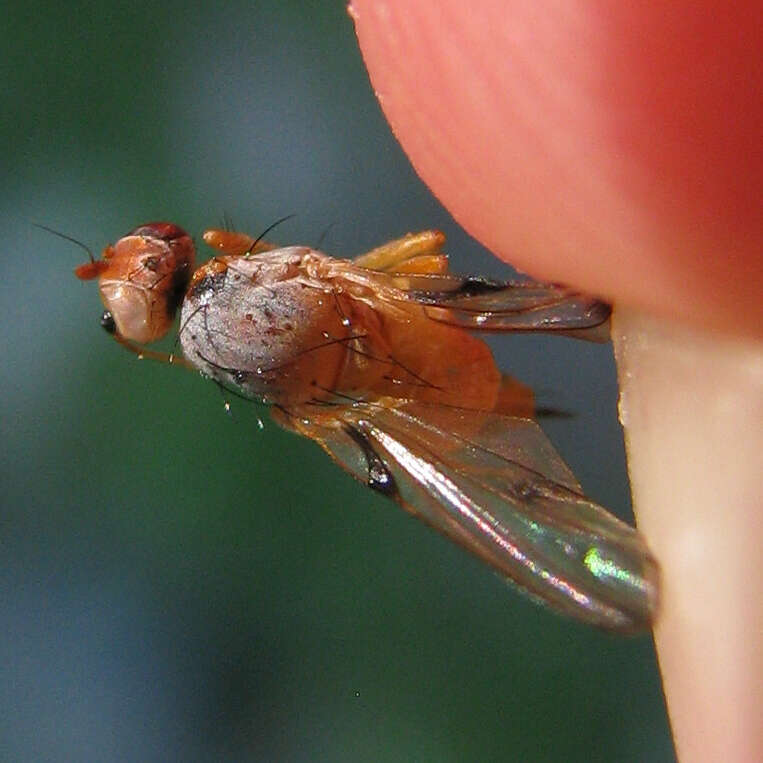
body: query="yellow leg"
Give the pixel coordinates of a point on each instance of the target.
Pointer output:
(412, 253)
(229, 242)
(143, 352)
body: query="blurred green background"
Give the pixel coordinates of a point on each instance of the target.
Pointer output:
(175, 583)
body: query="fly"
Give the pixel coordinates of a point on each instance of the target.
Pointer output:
(375, 360)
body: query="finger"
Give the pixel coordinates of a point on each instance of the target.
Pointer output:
(614, 150)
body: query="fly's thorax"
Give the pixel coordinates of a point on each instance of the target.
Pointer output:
(262, 326)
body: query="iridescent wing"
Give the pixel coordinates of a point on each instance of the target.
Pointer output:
(495, 485)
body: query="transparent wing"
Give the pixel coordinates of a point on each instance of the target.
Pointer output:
(487, 305)
(495, 485)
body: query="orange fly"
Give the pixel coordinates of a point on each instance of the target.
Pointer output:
(374, 359)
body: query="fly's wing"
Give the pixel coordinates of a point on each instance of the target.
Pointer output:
(495, 485)
(487, 305)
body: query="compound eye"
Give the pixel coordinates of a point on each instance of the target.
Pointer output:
(108, 324)
(163, 231)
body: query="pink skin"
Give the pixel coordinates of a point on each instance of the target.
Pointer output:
(610, 146)
(615, 147)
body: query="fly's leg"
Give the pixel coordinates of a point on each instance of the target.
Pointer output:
(232, 243)
(107, 321)
(163, 357)
(413, 253)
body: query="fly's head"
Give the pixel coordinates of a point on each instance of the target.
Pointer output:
(142, 279)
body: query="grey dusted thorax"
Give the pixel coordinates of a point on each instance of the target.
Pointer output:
(255, 325)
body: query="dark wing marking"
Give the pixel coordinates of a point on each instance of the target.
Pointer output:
(488, 305)
(379, 478)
